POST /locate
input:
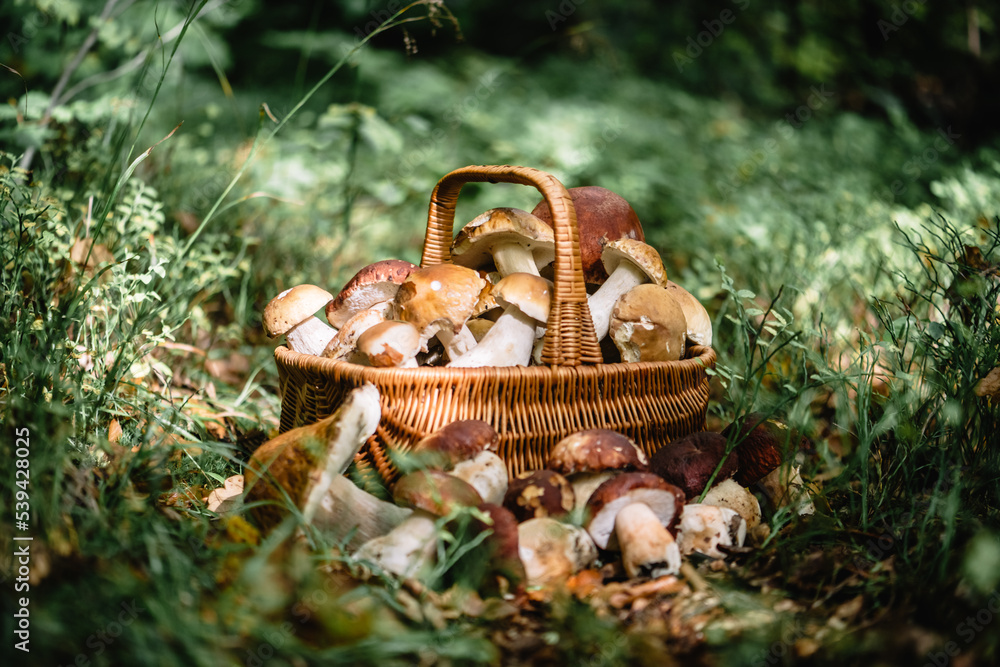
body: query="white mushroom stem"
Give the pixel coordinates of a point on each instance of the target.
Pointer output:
(455, 344)
(513, 258)
(648, 548)
(507, 343)
(729, 493)
(705, 528)
(487, 474)
(347, 512)
(311, 336)
(783, 486)
(552, 551)
(602, 302)
(406, 550)
(344, 344)
(585, 483)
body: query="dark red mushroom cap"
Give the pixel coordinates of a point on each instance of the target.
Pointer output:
(458, 441)
(376, 283)
(760, 446)
(689, 462)
(435, 492)
(666, 501)
(596, 450)
(539, 493)
(601, 216)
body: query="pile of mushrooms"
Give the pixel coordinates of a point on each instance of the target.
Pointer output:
(599, 499)
(491, 306)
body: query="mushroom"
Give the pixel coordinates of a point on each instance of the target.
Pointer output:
(517, 240)
(345, 344)
(552, 551)
(690, 461)
(492, 563)
(292, 313)
(601, 217)
(648, 548)
(666, 501)
(590, 457)
(630, 263)
(306, 466)
(465, 449)
(699, 324)
(390, 344)
(539, 493)
(730, 493)
(376, 283)
(410, 547)
(760, 444)
(526, 299)
(708, 529)
(647, 324)
(438, 300)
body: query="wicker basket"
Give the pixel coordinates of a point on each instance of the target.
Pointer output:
(531, 407)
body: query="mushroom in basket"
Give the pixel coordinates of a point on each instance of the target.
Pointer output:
(292, 313)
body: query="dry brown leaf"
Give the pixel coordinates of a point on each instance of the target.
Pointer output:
(114, 431)
(989, 386)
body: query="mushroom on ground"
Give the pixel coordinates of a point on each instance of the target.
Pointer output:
(539, 493)
(292, 313)
(708, 530)
(552, 550)
(306, 466)
(630, 263)
(345, 344)
(517, 241)
(622, 490)
(438, 300)
(648, 548)
(525, 299)
(390, 344)
(492, 565)
(647, 324)
(601, 217)
(590, 457)
(465, 448)
(409, 548)
(376, 283)
(699, 324)
(689, 462)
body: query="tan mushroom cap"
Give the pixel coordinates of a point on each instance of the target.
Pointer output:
(596, 450)
(601, 216)
(699, 324)
(532, 295)
(642, 255)
(389, 343)
(459, 440)
(473, 244)
(373, 284)
(439, 292)
(647, 324)
(292, 307)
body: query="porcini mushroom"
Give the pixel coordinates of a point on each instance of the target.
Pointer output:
(538, 493)
(376, 283)
(709, 529)
(666, 501)
(551, 550)
(590, 457)
(306, 466)
(390, 344)
(465, 448)
(345, 344)
(630, 263)
(525, 299)
(648, 548)
(438, 300)
(690, 461)
(601, 217)
(517, 241)
(292, 313)
(647, 324)
(699, 324)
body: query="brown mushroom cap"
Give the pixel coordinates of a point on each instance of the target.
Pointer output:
(647, 324)
(373, 284)
(666, 501)
(641, 255)
(435, 492)
(596, 450)
(601, 216)
(760, 446)
(439, 292)
(473, 244)
(461, 440)
(688, 462)
(699, 324)
(539, 493)
(498, 553)
(292, 307)
(530, 294)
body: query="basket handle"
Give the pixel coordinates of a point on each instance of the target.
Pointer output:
(569, 336)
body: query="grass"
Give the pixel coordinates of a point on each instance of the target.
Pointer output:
(132, 286)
